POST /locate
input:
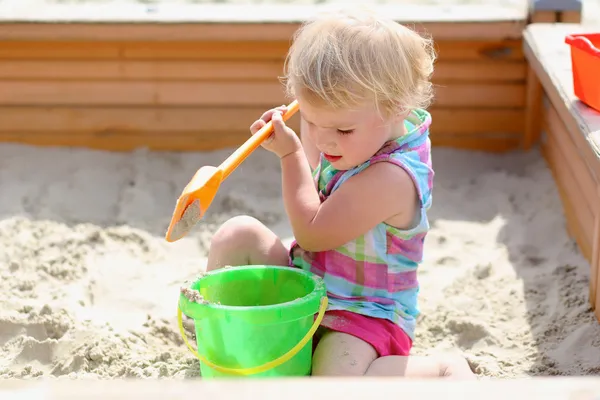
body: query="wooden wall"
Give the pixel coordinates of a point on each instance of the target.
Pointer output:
(177, 85)
(576, 182)
(569, 132)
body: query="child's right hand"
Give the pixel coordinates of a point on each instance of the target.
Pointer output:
(283, 140)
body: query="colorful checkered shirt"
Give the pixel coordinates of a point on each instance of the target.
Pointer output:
(376, 274)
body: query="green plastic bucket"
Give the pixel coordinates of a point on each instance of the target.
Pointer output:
(256, 320)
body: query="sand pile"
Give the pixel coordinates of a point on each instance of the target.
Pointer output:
(89, 286)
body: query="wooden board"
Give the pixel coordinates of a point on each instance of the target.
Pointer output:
(167, 77)
(209, 93)
(255, 22)
(547, 388)
(570, 17)
(579, 214)
(457, 121)
(480, 142)
(228, 70)
(210, 128)
(550, 58)
(533, 113)
(573, 215)
(582, 177)
(544, 16)
(577, 136)
(240, 50)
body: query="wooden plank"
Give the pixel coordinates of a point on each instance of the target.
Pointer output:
(492, 144)
(578, 216)
(547, 388)
(477, 122)
(454, 71)
(166, 50)
(195, 93)
(141, 120)
(533, 105)
(114, 93)
(229, 70)
(579, 170)
(455, 30)
(202, 129)
(549, 57)
(117, 21)
(566, 177)
(570, 17)
(458, 122)
(119, 140)
(472, 50)
(544, 17)
(445, 71)
(479, 50)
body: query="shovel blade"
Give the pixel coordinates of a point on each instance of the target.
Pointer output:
(195, 199)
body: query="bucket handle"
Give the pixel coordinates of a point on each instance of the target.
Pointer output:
(266, 366)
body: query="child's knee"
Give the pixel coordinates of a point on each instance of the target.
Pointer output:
(340, 354)
(240, 231)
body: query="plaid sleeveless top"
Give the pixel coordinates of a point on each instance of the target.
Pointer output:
(376, 274)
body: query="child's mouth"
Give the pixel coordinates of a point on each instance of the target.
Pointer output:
(331, 158)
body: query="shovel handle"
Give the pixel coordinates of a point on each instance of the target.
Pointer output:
(238, 156)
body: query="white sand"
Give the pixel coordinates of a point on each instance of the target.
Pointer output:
(89, 287)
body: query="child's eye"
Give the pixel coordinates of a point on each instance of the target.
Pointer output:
(345, 132)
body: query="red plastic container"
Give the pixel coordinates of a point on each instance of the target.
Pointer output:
(585, 59)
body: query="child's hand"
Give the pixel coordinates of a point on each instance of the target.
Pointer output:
(283, 140)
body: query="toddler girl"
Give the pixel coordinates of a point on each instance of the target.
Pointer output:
(356, 187)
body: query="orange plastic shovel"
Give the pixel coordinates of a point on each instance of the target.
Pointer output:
(201, 190)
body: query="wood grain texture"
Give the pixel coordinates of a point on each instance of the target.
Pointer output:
(549, 57)
(120, 80)
(573, 145)
(227, 93)
(228, 70)
(241, 50)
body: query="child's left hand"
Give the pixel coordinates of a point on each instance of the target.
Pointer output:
(283, 140)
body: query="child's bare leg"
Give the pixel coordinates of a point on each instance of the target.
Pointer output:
(340, 354)
(451, 366)
(244, 240)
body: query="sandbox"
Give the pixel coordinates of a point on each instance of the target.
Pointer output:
(82, 230)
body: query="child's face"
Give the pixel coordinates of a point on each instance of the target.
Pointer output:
(348, 138)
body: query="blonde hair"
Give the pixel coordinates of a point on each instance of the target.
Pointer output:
(342, 60)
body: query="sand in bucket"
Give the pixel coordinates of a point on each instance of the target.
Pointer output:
(254, 320)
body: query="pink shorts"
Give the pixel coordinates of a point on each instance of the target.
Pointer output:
(387, 338)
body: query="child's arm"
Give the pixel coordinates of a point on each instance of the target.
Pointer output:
(381, 191)
(312, 153)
